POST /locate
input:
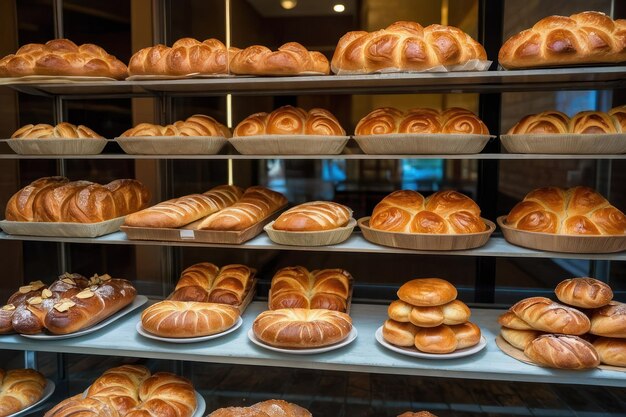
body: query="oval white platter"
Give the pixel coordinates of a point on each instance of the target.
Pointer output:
(349, 339)
(417, 354)
(47, 392)
(149, 335)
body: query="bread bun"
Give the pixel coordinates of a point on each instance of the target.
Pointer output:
(290, 59)
(62, 130)
(188, 319)
(511, 321)
(610, 320)
(454, 312)
(519, 339)
(399, 334)
(196, 125)
(544, 314)
(289, 120)
(584, 292)
(440, 339)
(19, 388)
(562, 351)
(611, 351)
(427, 292)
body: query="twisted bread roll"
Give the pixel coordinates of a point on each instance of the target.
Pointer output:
(289, 120)
(296, 287)
(575, 211)
(186, 56)
(18, 298)
(255, 205)
(165, 395)
(610, 320)
(62, 130)
(454, 312)
(187, 318)
(519, 339)
(118, 387)
(290, 59)
(426, 292)
(446, 339)
(389, 120)
(301, 328)
(196, 125)
(184, 210)
(544, 314)
(20, 206)
(404, 46)
(562, 351)
(611, 351)
(269, 408)
(313, 216)
(553, 122)
(444, 212)
(19, 388)
(62, 57)
(584, 292)
(582, 38)
(511, 321)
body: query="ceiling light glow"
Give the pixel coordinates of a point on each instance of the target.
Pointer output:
(339, 8)
(288, 4)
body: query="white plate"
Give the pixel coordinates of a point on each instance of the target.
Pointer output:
(417, 354)
(149, 335)
(137, 302)
(351, 336)
(47, 392)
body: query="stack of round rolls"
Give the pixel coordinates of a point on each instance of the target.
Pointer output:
(427, 316)
(584, 122)
(586, 330)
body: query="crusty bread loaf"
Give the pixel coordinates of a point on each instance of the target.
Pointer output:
(62, 130)
(290, 59)
(562, 351)
(399, 333)
(511, 321)
(553, 122)
(165, 394)
(454, 312)
(184, 210)
(519, 339)
(446, 339)
(611, 351)
(20, 206)
(544, 314)
(296, 287)
(313, 216)
(444, 212)
(269, 408)
(289, 120)
(584, 292)
(583, 38)
(427, 292)
(575, 211)
(196, 125)
(610, 320)
(62, 57)
(256, 204)
(188, 318)
(417, 414)
(404, 46)
(19, 388)
(297, 328)
(389, 120)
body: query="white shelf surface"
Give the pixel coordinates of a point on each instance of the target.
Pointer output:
(362, 355)
(496, 246)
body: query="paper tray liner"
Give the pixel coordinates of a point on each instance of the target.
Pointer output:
(562, 243)
(61, 146)
(566, 143)
(56, 229)
(520, 356)
(52, 79)
(313, 238)
(422, 144)
(171, 145)
(289, 144)
(426, 241)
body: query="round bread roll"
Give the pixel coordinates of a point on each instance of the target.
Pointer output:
(399, 334)
(611, 351)
(544, 314)
(188, 319)
(467, 334)
(519, 339)
(454, 312)
(610, 320)
(19, 388)
(62, 130)
(440, 339)
(511, 321)
(425, 292)
(584, 292)
(298, 328)
(562, 351)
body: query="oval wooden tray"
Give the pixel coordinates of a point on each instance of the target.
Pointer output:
(289, 144)
(424, 144)
(317, 238)
(171, 145)
(61, 146)
(567, 143)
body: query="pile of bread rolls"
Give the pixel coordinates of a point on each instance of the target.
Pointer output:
(269, 408)
(427, 316)
(19, 388)
(62, 130)
(585, 122)
(584, 331)
(132, 391)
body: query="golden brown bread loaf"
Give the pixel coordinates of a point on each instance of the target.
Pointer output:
(583, 38)
(584, 122)
(19, 388)
(544, 314)
(296, 287)
(289, 120)
(511, 321)
(611, 351)
(444, 212)
(298, 328)
(256, 204)
(186, 56)
(427, 292)
(454, 312)
(399, 333)
(25, 292)
(417, 414)
(62, 57)
(20, 206)
(619, 114)
(290, 59)
(62, 130)
(610, 320)
(575, 211)
(389, 120)
(188, 318)
(519, 339)
(269, 408)
(187, 209)
(118, 387)
(404, 46)
(562, 351)
(584, 292)
(313, 216)
(196, 125)
(446, 339)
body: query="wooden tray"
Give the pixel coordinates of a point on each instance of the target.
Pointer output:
(425, 144)
(562, 243)
(62, 229)
(171, 145)
(52, 79)
(317, 238)
(62, 146)
(289, 144)
(426, 241)
(567, 143)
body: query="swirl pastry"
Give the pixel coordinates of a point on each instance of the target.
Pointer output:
(288, 120)
(584, 122)
(188, 319)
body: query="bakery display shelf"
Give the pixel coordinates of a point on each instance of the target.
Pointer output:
(364, 354)
(496, 246)
(576, 78)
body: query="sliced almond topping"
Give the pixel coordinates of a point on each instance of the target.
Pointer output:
(69, 281)
(85, 294)
(46, 293)
(105, 277)
(25, 289)
(8, 307)
(64, 305)
(36, 284)
(34, 300)
(93, 287)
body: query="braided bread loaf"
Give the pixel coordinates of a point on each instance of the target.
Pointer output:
(407, 211)
(582, 38)
(575, 211)
(196, 125)
(62, 130)
(610, 320)
(62, 57)
(269, 408)
(19, 388)
(288, 120)
(388, 120)
(404, 46)
(290, 59)
(188, 318)
(586, 122)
